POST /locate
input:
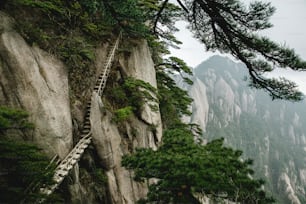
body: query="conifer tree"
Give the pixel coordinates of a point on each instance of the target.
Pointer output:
(22, 165)
(13, 119)
(184, 169)
(232, 27)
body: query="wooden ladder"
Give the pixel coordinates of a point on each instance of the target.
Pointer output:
(64, 167)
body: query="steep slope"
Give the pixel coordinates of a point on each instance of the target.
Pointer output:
(270, 132)
(37, 82)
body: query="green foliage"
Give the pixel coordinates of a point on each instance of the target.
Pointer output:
(162, 24)
(176, 65)
(78, 55)
(139, 93)
(63, 28)
(229, 27)
(22, 165)
(158, 49)
(184, 168)
(123, 114)
(130, 96)
(117, 96)
(128, 14)
(174, 102)
(13, 119)
(72, 29)
(232, 27)
(100, 176)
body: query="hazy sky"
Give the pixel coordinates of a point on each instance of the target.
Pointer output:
(289, 28)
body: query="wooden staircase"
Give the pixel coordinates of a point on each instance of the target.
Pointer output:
(64, 167)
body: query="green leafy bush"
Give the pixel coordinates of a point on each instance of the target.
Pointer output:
(133, 93)
(123, 114)
(100, 176)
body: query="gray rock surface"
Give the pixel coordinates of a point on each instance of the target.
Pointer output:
(37, 82)
(270, 132)
(139, 65)
(111, 145)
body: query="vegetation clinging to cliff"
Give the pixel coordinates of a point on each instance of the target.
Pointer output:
(13, 119)
(233, 27)
(184, 169)
(22, 165)
(72, 30)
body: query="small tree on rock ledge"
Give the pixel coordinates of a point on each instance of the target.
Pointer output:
(184, 168)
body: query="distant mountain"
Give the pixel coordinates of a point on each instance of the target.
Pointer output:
(270, 132)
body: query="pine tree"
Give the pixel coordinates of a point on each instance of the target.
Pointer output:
(22, 165)
(184, 168)
(232, 27)
(13, 119)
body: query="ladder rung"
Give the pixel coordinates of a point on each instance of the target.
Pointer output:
(86, 122)
(86, 128)
(75, 154)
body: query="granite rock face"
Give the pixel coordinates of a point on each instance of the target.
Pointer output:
(269, 132)
(111, 145)
(139, 65)
(113, 140)
(37, 82)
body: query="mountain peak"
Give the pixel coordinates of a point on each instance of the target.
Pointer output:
(270, 132)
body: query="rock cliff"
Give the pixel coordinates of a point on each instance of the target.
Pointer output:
(270, 132)
(37, 82)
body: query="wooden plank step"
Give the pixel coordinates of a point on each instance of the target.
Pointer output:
(83, 134)
(86, 123)
(99, 81)
(75, 154)
(86, 128)
(79, 152)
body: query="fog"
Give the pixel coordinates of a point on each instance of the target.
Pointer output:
(289, 29)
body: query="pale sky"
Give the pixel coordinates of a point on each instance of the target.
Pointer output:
(289, 28)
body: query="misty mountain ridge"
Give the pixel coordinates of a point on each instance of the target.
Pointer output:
(270, 132)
